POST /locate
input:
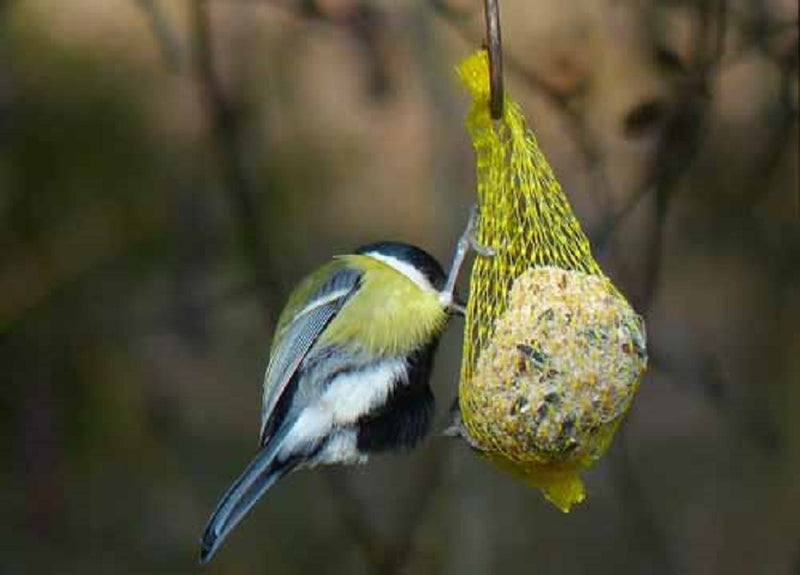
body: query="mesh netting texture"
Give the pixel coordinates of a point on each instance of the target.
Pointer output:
(553, 352)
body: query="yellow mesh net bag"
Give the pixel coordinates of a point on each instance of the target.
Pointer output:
(553, 353)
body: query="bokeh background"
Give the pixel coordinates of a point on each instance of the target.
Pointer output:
(168, 170)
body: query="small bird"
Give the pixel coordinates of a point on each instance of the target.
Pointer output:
(348, 370)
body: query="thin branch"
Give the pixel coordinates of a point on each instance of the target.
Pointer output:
(381, 556)
(226, 133)
(639, 518)
(163, 33)
(685, 132)
(573, 119)
(361, 19)
(374, 550)
(426, 489)
(678, 147)
(389, 557)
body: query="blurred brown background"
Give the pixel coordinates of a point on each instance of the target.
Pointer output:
(168, 169)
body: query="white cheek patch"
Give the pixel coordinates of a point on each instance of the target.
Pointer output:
(406, 269)
(347, 398)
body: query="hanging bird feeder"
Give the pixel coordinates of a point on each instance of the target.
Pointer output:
(553, 352)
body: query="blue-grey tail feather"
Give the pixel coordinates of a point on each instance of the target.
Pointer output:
(262, 472)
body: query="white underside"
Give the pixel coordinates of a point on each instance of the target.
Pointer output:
(347, 398)
(341, 447)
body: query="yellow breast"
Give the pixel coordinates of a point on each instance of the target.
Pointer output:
(390, 314)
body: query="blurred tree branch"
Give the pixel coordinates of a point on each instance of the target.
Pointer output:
(678, 146)
(573, 117)
(392, 557)
(382, 557)
(641, 523)
(163, 32)
(684, 133)
(225, 123)
(365, 23)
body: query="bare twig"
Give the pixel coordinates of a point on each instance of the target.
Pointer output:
(575, 122)
(678, 147)
(374, 550)
(226, 133)
(361, 18)
(382, 557)
(684, 133)
(163, 32)
(425, 489)
(573, 119)
(393, 556)
(641, 523)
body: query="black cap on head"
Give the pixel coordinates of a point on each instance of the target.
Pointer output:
(412, 255)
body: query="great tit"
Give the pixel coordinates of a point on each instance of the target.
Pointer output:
(348, 369)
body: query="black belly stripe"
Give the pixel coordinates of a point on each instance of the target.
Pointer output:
(406, 417)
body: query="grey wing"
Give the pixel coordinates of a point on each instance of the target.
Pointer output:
(296, 339)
